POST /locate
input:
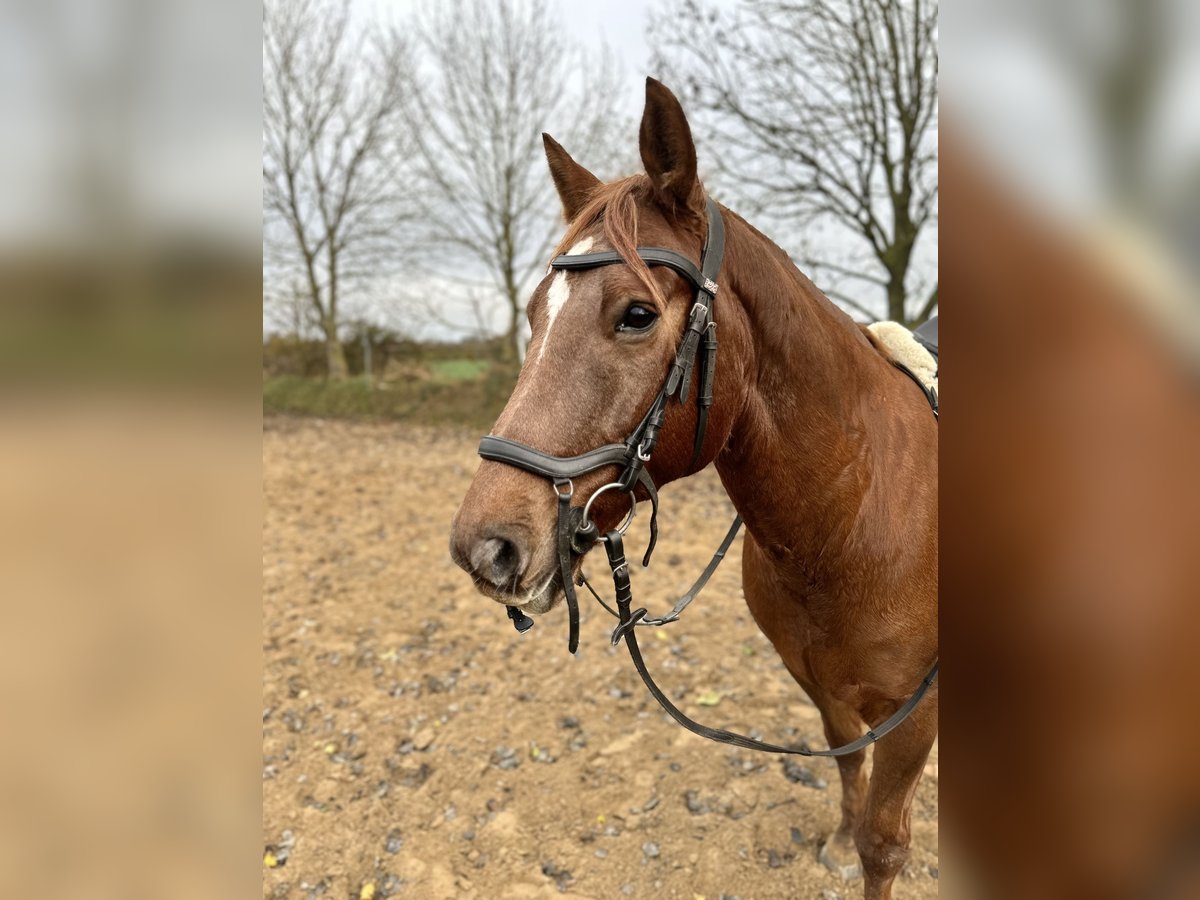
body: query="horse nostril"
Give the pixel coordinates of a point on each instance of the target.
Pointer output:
(498, 560)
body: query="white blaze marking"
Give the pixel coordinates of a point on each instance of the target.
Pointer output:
(559, 293)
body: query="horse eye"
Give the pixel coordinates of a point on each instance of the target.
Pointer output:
(637, 318)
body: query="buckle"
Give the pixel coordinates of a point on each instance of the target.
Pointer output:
(621, 628)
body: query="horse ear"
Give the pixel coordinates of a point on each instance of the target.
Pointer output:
(573, 181)
(668, 151)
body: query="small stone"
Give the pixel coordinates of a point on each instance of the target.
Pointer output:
(650, 849)
(505, 758)
(601, 854)
(423, 738)
(394, 841)
(933, 872)
(627, 889)
(650, 804)
(568, 722)
(417, 777)
(797, 836)
(827, 894)
(773, 860)
(798, 774)
(694, 804)
(562, 877)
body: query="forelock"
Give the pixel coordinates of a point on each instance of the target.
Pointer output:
(615, 205)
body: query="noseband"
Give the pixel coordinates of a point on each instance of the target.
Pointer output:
(576, 533)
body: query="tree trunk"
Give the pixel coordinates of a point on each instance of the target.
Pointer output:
(335, 356)
(511, 351)
(895, 298)
(512, 339)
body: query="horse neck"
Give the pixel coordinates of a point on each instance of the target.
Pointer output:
(802, 453)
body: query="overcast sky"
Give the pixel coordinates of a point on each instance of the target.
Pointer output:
(621, 24)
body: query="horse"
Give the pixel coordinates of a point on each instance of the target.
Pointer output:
(827, 450)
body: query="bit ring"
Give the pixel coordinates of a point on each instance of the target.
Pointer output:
(587, 509)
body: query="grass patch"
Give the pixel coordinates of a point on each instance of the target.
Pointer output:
(463, 392)
(458, 369)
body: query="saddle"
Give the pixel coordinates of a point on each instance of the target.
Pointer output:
(926, 335)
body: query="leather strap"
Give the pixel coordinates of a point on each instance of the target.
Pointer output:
(554, 467)
(682, 603)
(930, 393)
(654, 256)
(708, 366)
(565, 532)
(620, 569)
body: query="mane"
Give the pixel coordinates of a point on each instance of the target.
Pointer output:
(615, 204)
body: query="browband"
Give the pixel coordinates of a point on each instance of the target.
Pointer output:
(653, 256)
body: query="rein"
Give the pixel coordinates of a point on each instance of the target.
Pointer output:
(576, 533)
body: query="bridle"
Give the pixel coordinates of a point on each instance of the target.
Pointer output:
(576, 533)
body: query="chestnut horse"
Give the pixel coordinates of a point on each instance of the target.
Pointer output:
(829, 453)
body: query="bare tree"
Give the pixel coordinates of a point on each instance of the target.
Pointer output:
(288, 309)
(333, 113)
(495, 75)
(825, 113)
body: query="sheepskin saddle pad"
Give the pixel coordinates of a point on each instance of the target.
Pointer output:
(909, 351)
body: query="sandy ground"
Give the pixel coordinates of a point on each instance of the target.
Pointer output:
(415, 745)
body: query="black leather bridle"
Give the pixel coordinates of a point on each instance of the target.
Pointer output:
(575, 531)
